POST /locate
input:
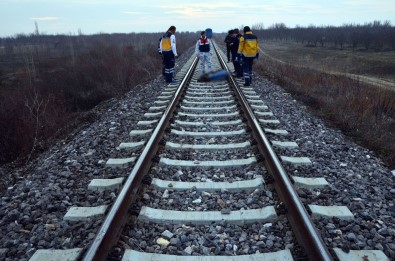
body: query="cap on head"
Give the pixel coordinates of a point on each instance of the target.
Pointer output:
(203, 33)
(171, 28)
(246, 29)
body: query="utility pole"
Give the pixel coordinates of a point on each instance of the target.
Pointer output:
(37, 31)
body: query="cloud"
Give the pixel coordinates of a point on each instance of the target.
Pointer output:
(202, 10)
(210, 5)
(45, 18)
(132, 12)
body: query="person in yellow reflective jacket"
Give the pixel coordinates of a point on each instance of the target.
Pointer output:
(168, 49)
(247, 52)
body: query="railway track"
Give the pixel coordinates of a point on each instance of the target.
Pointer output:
(206, 182)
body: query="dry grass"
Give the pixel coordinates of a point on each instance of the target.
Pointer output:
(362, 110)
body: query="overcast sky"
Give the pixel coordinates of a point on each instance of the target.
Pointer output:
(125, 16)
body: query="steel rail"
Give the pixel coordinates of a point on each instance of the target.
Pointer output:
(116, 218)
(301, 223)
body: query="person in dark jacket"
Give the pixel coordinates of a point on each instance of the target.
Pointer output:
(228, 40)
(248, 51)
(161, 56)
(169, 52)
(234, 47)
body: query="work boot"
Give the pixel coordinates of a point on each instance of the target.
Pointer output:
(247, 82)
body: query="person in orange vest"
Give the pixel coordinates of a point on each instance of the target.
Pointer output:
(202, 50)
(248, 51)
(169, 52)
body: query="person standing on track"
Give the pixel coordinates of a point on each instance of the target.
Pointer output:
(234, 47)
(169, 52)
(161, 56)
(228, 41)
(202, 50)
(248, 51)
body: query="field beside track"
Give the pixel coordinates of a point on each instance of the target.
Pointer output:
(372, 67)
(352, 90)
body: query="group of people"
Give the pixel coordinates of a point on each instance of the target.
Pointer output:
(240, 49)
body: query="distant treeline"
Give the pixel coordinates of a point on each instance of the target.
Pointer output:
(47, 81)
(378, 36)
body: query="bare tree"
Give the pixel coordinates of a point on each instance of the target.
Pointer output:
(37, 32)
(36, 105)
(375, 35)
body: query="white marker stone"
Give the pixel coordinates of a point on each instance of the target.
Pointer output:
(56, 254)
(283, 255)
(310, 182)
(83, 213)
(359, 255)
(341, 212)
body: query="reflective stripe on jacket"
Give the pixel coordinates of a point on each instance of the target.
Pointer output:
(248, 45)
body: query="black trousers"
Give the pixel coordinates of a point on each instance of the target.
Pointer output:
(169, 62)
(228, 52)
(247, 69)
